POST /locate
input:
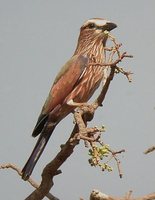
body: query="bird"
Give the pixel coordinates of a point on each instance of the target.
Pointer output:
(75, 84)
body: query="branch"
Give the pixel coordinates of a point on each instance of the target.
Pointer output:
(51, 169)
(97, 195)
(114, 153)
(149, 150)
(30, 180)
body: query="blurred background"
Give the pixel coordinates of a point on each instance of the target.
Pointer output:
(36, 39)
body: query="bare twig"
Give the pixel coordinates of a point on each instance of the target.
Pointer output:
(126, 73)
(118, 162)
(30, 180)
(149, 150)
(128, 195)
(113, 64)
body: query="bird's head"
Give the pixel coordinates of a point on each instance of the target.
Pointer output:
(97, 26)
(94, 31)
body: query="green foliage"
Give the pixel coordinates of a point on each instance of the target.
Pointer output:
(98, 154)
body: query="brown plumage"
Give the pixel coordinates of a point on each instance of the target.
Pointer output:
(76, 82)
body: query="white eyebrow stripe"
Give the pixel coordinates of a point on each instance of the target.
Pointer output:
(98, 22)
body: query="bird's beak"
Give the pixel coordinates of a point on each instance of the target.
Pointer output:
(109, 26)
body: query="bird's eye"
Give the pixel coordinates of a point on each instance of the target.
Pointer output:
(92, 25)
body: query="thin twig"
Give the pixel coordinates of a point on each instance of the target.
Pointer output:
(30, 180)
(149, 150)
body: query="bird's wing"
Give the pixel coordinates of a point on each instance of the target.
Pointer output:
(63, 85)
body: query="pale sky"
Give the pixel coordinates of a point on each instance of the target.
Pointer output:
(36, 39)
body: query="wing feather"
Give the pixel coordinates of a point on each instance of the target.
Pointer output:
(63, 85)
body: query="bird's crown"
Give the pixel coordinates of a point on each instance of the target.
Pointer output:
(99, 23)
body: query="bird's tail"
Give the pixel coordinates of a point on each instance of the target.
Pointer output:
(36, 153)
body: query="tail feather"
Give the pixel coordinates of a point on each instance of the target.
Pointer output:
(36, 153)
